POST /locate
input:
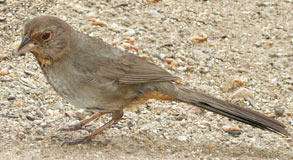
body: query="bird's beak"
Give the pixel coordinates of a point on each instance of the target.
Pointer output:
(25, 46)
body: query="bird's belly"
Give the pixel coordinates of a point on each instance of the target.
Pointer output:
(72, 88)
(80, 92)
(81, 96)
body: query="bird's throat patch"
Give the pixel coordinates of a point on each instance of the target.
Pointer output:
(43, 61)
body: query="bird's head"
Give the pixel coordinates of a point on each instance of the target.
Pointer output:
(46, 37)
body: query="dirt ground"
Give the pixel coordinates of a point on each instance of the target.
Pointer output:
(240, 51)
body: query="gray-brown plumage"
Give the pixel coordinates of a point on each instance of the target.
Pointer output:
(92, 74)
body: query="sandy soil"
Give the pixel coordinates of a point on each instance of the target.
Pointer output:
(241, 51)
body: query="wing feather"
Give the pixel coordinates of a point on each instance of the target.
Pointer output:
(131, 69)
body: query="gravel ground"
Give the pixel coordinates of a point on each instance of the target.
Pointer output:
(241, 51)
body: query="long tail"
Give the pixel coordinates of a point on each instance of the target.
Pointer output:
(221, 107)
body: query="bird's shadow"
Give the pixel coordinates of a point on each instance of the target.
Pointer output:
(161, 147)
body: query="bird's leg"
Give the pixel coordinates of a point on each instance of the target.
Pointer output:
(116, 117)
(79, 124)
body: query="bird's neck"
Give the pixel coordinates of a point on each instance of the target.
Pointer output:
(43, 60)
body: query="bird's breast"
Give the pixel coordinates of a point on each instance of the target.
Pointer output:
(71, 84)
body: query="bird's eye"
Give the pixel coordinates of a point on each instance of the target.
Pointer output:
(46, 35)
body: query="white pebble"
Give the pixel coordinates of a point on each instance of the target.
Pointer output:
(182, 138)
(199, 53)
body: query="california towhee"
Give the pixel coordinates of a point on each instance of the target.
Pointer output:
(92, 74)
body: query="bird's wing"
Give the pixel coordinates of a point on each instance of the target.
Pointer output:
(131, 69)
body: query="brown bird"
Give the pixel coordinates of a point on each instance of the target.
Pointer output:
(94, 75)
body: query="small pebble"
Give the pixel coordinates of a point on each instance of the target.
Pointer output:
(202, 38)
(43, 124)
(264, 4)
(182, 68)
(27, 82)
(11, 98)
(196, 110)
(267, 35)
(258, 44)
(4, 72)
(30, 117)
(155, 13)
(242, 93)
(80, 114)
(279, 111)
(40, 131)
(121, 5)
(39, 138)
(30, 73)
(3, 56)
(182, 138)
(169, 60)
(129, 32)
(203, 70)
(202, 126)
(130, 124)
(162, 56)
(199, 53)
(114, 27)
(234, 132)
(180, 118)
(2, 19)
(228, 84)
(146, 126)
(121, 48)
(251, 101)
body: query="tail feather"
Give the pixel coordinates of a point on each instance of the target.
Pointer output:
(221, 107)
